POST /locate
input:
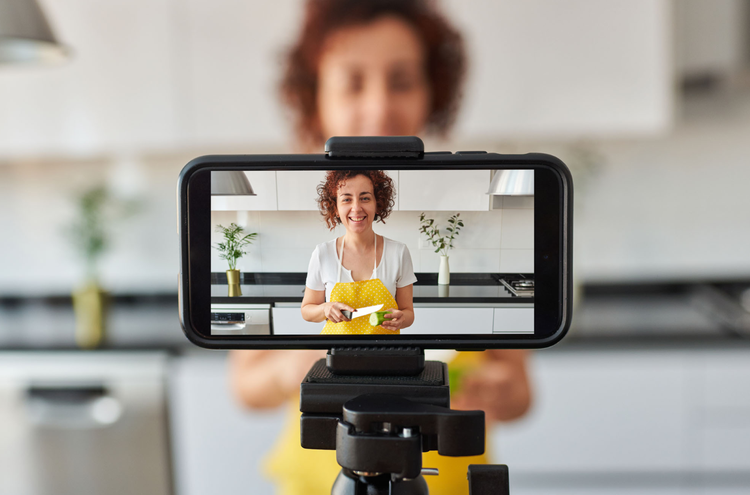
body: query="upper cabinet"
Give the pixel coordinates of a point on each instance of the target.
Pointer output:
(298, 189)
(545, 69)
(444, 190)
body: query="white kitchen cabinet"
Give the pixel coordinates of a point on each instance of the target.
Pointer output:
(631, 422)
(264, 186)
(287, 320)
(297, 189)
(444, 190)
(721, 381)
(513, 320)
(229, 70)
(602, 412)
(218, 444)
(115, 94)
(450, 320)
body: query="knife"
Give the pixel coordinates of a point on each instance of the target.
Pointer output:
(361, 311)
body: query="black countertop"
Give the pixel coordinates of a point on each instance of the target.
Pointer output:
(607, 315)
(269, 288)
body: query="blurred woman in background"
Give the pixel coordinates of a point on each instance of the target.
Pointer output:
(373, 68)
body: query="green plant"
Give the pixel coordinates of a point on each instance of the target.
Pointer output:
(90, 232)
(442, 243)
(234, 242)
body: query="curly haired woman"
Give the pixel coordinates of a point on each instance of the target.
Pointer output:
(369, 68)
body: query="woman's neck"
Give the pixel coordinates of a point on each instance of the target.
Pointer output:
(360, 242)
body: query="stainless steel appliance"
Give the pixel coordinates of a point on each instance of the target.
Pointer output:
(83, 423)
(241, 319)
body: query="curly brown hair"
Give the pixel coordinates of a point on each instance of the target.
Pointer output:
(445, 64)
(383, 190)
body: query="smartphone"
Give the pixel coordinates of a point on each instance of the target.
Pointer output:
(256, 234)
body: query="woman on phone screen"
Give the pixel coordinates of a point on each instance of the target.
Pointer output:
(371, 68)
(360, 269)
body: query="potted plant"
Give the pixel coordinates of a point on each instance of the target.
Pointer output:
(231, 250)
(442, 243)
(97, 212)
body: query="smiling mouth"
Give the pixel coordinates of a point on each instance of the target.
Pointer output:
(356, 219)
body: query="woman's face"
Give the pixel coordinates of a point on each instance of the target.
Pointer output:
(355, 204)
(372, 81)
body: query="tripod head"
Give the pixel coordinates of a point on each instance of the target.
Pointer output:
(380, 424)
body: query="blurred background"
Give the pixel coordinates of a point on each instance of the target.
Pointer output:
(648, 101)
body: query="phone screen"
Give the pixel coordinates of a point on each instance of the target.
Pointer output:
(452, 252)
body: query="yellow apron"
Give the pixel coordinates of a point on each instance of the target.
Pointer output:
(360, 295)
(298, 471)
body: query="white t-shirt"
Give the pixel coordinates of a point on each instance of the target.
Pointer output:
(395, 269)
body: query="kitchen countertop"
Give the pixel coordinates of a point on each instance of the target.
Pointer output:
(619, 316)
(268, 288)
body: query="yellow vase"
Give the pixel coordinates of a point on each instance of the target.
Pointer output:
(90, 307)
(233, 281)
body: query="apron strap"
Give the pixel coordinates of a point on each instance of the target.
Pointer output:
(341, 259)
(375, 265)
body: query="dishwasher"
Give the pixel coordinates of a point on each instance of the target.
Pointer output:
(81, 423)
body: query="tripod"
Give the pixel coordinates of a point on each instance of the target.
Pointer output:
(380, 408)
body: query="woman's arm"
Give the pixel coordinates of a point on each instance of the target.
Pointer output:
(316, 309)
(402, 317)
(268, 378)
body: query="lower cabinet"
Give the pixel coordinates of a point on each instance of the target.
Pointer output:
(287, 320)
(604, 421)
(218, 444)
(443, 321)
(631, 422)
(513, 320)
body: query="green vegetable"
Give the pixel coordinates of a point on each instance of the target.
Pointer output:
(378, 317)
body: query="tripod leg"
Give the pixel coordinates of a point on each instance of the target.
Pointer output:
(488, 479)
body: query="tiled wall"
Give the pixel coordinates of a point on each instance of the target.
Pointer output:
(500, 240)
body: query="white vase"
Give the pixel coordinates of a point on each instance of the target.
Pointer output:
(444, 273)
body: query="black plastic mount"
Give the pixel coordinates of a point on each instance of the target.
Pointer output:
(347, 412)
(380, 424)
(375, 361)
(323, 396)
(374, 147)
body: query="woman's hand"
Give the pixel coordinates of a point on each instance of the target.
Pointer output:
(332, 311)
(393, 320)
(499, 386)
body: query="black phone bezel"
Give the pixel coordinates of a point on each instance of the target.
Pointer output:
(552, 248)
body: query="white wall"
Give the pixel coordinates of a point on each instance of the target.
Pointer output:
(493, 241)
(666, 206)
(156, 75)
